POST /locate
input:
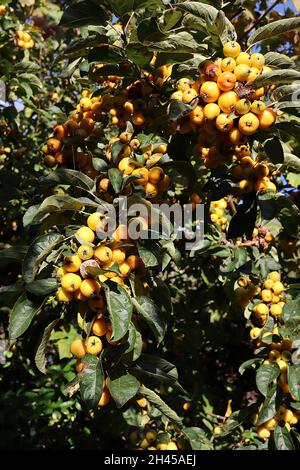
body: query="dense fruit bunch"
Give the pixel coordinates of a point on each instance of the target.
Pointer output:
(24, 40)
(272, 299)
(150, 438)
(252, 175)
(72, 143)
(284, 417)
(217, 213)
(227, 109)
(272, 345)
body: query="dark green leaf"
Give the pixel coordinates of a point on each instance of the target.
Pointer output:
(282, 438)
(265, 375)
(152, 316)
(38, 251)
(40, 359)
(42, 286)
(122, 386)
(197, 438)
(294, 380)
(274, 149)
(22, 315)
(91, 381)
(116, 178)
(120, 310)
(271, 30)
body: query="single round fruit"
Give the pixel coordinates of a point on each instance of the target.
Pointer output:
(127, 165)
(242, 72)
(254, 72)
(118, 255)
(124, 269)
(224, 123)
(226, 81)
(278, 287)
(276, 310)
(71, 282)
(63, 295)
(275, 276)
(100, 327)
(155, 174)
(197, 115)
(94, 345)
(103, 254)
(261, 309)
(189, 95)
(211, 111)
(73, 264)
(257, 60)
(209, 92)
(93, 221)
(271, 424)
(85, 234)
(257, 107)
(255, 333)
(228, 64)
(243, 58)
(243, 106)
(227, 101)
(151, 190)
(85, 252)
(266, 295)
(231, 49)
(183, 84)
(248, 124)
(267, 118)
(89, 287)
(142, 176)
(78, 348)
(134, 262)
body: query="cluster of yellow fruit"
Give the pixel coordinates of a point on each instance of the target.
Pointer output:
(121, 259)
(24, 40)
(3, 10)
(150, 439)
(217, 215)
(148, 174)
(284, 417)
(227, 109)
(252, 175)
(272, 299)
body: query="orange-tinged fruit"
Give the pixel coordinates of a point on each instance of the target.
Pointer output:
(78, 348)
(103, 254)
(71, 282)
(93, 221)
(226, 81)
(248, 124)
(209, 92)
(63, 295)
(89, 287)
(72, 264)
(267, 118)
(100, 327)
